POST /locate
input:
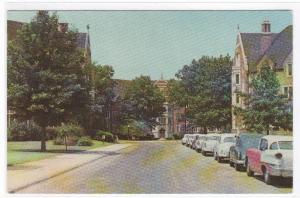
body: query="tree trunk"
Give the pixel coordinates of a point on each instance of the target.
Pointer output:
(268, 131)
(205, 130)
(43, 139)
(185, 124)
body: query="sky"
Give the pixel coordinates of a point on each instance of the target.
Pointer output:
(157, 43)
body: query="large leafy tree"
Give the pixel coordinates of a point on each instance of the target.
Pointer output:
(45, 77)
(144, 101)
(101, 84)
(207, 83)
(265, 107)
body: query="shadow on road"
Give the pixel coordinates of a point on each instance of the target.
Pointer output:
(73, 151)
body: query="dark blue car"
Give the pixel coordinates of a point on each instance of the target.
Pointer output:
(237, 153)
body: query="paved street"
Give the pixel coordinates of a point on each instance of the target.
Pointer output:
(155, 167)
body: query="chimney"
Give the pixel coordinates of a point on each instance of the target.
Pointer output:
(266, 27)
(63, 27)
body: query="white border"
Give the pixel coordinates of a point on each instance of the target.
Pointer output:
(154, 5)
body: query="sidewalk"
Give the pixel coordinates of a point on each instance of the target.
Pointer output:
(23, 175)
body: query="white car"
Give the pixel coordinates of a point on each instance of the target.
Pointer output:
(199, 142)
(191, 138)
(184, 139)
(209, 143)
(221, 150)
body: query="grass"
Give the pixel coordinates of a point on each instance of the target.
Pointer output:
(27, 151)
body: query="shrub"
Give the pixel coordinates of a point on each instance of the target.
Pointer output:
(170, 138)
(85, 141)
(68, 134)
(109, 137)
(23, 131)
(177, 136)
(147, 137)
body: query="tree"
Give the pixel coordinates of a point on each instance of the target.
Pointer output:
(101, 87)
(144, 101)
(45, 78)
(207, 84)
(265, 107)
(67, 130)
(178, 97)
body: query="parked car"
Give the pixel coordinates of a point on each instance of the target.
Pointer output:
(189, 140)
(237, 153)
(199, 142)
(273, 157)
(221, 150)
(184, 139)
(210, 141)
(195, 138)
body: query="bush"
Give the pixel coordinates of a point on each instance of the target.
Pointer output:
(71, 141)
(170, 138)
(147, 137)
(177, 136)
(109, 137)
(85, 141)
(23, 131)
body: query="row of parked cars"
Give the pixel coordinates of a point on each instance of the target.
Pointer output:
(267, 155)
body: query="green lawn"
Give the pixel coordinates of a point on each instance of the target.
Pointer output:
(20, 152)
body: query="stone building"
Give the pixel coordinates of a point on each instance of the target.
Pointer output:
(251, 51)
(171, 121)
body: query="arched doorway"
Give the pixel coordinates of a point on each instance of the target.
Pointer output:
(162, 133)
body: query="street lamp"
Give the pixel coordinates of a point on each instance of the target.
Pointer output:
(128, 126)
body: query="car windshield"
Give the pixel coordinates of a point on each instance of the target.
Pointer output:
(212, 138)
(285, 145)
(229, 139)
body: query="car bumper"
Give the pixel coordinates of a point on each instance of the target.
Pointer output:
(281, 172)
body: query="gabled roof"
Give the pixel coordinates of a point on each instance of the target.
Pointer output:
(281, 47)
(83, 40)
(275, 46)
(255, 45)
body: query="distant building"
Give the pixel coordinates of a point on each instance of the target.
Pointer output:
(172, 120)
(251, 51)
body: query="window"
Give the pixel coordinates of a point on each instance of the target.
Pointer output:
(290, 96)
(290, 70)
(263, 145)
(237, 99)
(274, 146)
(237, 79)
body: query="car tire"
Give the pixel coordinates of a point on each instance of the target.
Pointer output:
(250, 173)
(219, 159)
(231, 164)
(237, 167)
(215, 156)
(203, 153)
(267, 177)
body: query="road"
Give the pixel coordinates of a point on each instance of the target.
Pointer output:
(156, 167)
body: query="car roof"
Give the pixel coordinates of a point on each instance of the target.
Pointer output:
(228, 134)
(275, 138)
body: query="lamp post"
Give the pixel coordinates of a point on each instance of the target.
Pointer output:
(128, 126)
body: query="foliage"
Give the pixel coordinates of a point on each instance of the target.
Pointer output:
(136, 129)
(68, 133)
(109, 137)
(177, 136)
(23, 131)
(265, 106)
(206, 89)
(45, 77)
(144, 101)
(101, 87)
(85, 141)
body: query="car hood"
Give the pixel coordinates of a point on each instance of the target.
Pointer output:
(226, 145)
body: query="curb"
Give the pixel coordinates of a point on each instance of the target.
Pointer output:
(62, 172)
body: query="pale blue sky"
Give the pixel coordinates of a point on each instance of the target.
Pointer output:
(161, 42)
